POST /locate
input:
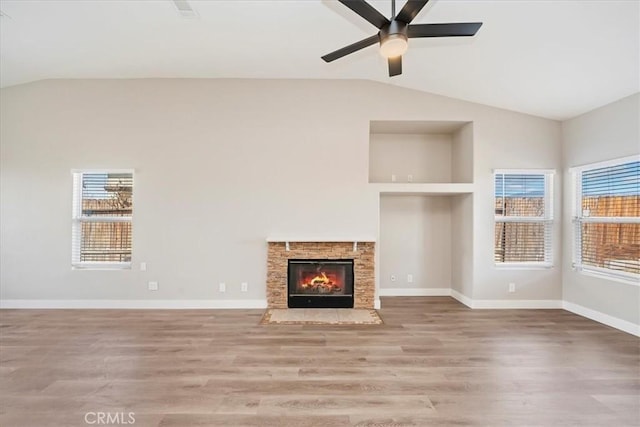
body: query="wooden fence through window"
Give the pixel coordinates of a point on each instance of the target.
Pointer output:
(603, 244)
(106, 241)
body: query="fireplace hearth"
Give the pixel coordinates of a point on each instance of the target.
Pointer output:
(320, 283)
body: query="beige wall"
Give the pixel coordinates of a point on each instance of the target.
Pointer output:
(514, 143)
(462, 154)
(461, 244)
(426, 157)
(415, 238)
(220, 165)
(606, 133)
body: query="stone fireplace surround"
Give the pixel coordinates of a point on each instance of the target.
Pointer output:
(361, 251)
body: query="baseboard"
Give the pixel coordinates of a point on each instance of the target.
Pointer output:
(517, 304)
(614, 322)
(376, 304)
(132, 304)
(462, 298)
(505, 304)
(414, 292)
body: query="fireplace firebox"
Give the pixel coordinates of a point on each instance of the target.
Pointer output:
(320, 283)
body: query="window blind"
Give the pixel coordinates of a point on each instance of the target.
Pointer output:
(523, 218)
(103, 207)
(607, 223)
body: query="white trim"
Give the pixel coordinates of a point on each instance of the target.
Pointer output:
(462, 298)
(500, 218)
(614, 322)
(77, 219)
(524, 171)
(547, 219)
(580, 217)
(319, 239)
(132, 304)
(433, 189)
(604, 164)
(608, 219)
(516, 304)
(533, 265)
(85, 218)
(609, 274)
(107, 170)
(101, 266)
(376, 304)
(506, 303)
(414, 292)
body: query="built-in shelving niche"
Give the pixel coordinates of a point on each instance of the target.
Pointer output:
(423, 172)
(421, 157)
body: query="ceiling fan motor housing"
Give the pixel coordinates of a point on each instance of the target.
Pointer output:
(394, 29)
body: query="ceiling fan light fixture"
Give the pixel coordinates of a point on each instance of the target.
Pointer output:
(394, 45)
(394, 33)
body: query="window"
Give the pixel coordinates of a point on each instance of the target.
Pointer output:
(102, 212)
(523, 218)
(607, 218)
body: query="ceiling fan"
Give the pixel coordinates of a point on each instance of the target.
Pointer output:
(395, 32)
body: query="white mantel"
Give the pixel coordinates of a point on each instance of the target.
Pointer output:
(281, 239)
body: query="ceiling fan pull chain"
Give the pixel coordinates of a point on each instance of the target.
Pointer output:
(393, 9)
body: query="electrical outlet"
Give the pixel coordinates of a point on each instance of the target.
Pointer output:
(512, 287)
(393, 277)
(409, 178)
(153, 286)
(143, 266)
(393, 178)
(244, 286)
(223, 287)
(409, 278)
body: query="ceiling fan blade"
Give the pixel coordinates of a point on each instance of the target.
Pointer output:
(367, 11)
(395, 66)
(443, 30)
(410, 10)
(351, 48)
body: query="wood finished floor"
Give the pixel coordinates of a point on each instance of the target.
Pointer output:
(433, 363)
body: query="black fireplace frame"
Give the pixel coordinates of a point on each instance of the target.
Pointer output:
(319, 300)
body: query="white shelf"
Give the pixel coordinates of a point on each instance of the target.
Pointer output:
(320, 239)
(433, 189)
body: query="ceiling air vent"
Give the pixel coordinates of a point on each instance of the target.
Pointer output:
(185, 9)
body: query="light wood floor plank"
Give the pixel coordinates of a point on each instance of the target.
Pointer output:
(433, 363)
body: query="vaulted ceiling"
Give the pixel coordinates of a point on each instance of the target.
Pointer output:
(553, 59)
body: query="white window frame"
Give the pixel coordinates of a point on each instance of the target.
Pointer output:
(78, 219)
(547, 219)
(578, 219)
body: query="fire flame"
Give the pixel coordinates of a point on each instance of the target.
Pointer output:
(320, 279)
(320, 284)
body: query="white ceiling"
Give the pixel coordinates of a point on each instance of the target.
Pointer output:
(554, 59)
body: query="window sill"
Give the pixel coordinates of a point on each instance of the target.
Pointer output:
(607, 276)
(102, 266)
(524, 266)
